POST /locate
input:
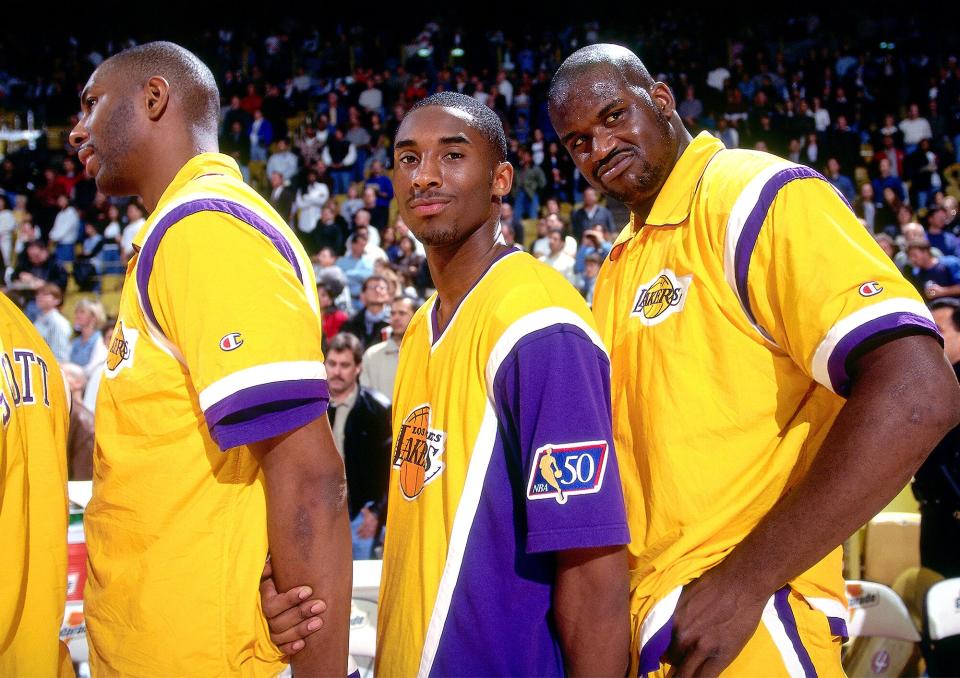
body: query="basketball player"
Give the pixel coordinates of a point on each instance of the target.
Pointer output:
(34, 413)
(776, 381)
(504, 551)
(211, 434)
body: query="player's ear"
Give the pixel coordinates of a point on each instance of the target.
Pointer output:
(502, 179)
(663, 99)
(157, 96)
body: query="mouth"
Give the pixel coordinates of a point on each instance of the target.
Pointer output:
(428, 207)
(615, 166)
(85, 155)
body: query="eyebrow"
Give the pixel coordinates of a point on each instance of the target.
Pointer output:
(601, 114)
(446, 141)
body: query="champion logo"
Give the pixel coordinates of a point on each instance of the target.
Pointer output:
(870, 289)
(231, 342)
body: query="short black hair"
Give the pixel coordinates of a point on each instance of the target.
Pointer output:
(191, 81)
(953, 304)
(483, 119)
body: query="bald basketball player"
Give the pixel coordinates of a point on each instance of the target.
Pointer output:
(775, 380)
(211, 439)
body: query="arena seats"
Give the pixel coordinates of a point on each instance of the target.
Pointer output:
(883, 636)
(891, 545)
(943, 624)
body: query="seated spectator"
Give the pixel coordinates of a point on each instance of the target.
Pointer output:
(356, 264)
(934, 277)
(557, 258)
(136, 217)
(887, 244)
(915, 129)
(381, 184)
(380, 360)
(236, 144)
(410, 261)
(401, 231)
(360, 419)
(331, 231)
(325, 270)
(529, 181)
(509, 218)
(888, 180)
(283, 160)
(331, 317)
(371, 320)
(592, 213)
(840, 181)
(892, 153)
(690, 108)
(8, 227)
(88, 266)
(312, 142)
(88, 349)
(378, 214)
(38, 267)
(80, 432)
(887, 216)
(309, 203)
(66, 230)
(339, 155)
(588, 279)
(351, 205)
(50, 323)
(281, 197)
(261, 136)
(937, 236)
(593, 242)
(922, 170)
(865, 207)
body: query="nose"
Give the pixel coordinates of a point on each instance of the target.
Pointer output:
(603, 143)
(427, 174)
(79, 134)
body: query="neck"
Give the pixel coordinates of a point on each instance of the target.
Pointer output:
(373, 309)
(456, 267)
(87, 332)
(165, 163)
(641, 209)
(338, 398)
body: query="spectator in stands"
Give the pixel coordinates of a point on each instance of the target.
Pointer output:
(914, 128)
(331, 317)
(252, 101)
(361, 424)
(592, 213)
(356, 264)
(380, 360)
(234, 113)
(312, 142)
(371, 320)
(38, 267)
(261, 136)
(8, 227)
(309, 203)
(509, 218)
(236, 144)
(378, 214)
(844, 144)
(281, 197)
(136, 217)
(371, 99)
(381, 184)
(66, 229)
(88, 264)
(865, 206)
(50, 323)
(937, 236)
(80, 436)
(921, 170)
(690, 108)
(283, 160)
(557, 258)
(593, 242)
(840, 181)
(934, 277)
(339, 155)
(351, 205)
(727, 133)
(331, 231)
(888, 180)
(887, 244)
(409, 262)
(889, 150)
(529, 181)
(587, 280)
(88, 349)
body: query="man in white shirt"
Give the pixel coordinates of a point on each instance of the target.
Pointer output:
(309, 202)
(557, 258)
(135, 220)
(52, 326)
(66, 229)
(915, 129)
(371, 98)
(380, 360)
(283, 161)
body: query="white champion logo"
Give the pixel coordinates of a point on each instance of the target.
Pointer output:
(231, 342)
(869, 289)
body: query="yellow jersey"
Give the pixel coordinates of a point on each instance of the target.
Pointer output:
(217, 345)
(731, 316)
(503, 456)
(34, 412)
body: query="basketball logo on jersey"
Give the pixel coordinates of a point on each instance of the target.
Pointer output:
(122, 345)
(663, 296)
(417, 452)
(561, 471)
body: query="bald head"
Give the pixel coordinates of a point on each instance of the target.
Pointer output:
(193, 88)
(599, 60)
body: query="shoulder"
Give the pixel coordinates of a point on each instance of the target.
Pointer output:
(373, 400)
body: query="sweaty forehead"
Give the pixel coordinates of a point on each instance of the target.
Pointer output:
(434, 122)
(588, 91)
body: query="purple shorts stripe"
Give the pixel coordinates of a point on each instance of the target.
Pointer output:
(894, 322)
(655, 648)
(838, 627)
(781, 602)
(149, 250)
(751, 228)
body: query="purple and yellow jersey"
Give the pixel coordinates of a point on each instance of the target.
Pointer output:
(217, 346)
(503, 455)
(732, 317)
(34, 413)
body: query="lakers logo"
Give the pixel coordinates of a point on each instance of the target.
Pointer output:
(122, 344)
(417, 452)
(661, 297)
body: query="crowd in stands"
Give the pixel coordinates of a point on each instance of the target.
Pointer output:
(310, 116)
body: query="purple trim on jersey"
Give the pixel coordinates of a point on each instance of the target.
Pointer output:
(751, 229)
(781, 603)
(838, 627)
(500, 617)
(266, 410)
(435, 311)
(148, 251)
(837, 362)
(655, 648)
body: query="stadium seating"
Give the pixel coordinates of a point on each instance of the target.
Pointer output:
(883, 636)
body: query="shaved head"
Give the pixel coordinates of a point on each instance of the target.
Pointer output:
(192, 85)
(594, 60)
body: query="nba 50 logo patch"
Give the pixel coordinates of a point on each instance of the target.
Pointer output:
(660, 298)
(559, 471)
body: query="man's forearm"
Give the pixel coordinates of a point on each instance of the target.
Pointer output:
(310, 537)
(904, 399)
(592, 610)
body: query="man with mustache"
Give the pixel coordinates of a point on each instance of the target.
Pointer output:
(775, 380)
(211, 439)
